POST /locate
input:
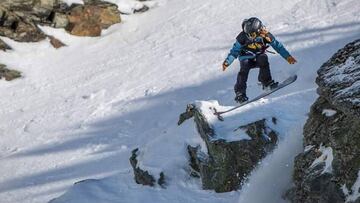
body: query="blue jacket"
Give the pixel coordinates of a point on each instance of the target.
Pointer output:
(247, 48)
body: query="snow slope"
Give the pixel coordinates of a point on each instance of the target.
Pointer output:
(80, 110)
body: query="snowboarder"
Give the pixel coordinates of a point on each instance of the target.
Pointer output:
(250, 48)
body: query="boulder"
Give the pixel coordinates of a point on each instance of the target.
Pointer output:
(89, 19)
(226, 164)
(18, 28)
(8, 74)
(329, 168)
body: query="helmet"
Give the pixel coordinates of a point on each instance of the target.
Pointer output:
(252, 25)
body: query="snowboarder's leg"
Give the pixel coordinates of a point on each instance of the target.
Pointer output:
(242, 77)
(262, 62)
(240, 86)
(264, 72)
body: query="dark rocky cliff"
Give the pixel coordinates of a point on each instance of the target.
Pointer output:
(329, 168)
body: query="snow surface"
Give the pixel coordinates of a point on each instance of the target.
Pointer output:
(80, 110)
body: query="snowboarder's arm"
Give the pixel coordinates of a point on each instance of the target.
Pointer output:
(279, 47)
(234, 53)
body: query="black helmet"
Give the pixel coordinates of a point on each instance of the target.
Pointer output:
(252, 25)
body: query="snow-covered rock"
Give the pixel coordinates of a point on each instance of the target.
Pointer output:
(231, 154)
(328, 172)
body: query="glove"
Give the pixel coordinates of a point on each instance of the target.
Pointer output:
(291, 60)
(225, 65)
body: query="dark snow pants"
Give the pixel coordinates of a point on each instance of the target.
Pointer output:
(261, 61)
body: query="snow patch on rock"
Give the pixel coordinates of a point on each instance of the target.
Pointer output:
(308, 148)
(69, 2)
(329, 112)
(327, 157)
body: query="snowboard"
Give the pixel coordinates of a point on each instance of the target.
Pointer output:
(285, 83)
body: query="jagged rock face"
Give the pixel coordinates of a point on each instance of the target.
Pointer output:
(328, 169)
(227, 163)
(339, 79)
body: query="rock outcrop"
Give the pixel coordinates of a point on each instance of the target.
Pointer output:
(328, 171)
(226, 164)
(19, 19)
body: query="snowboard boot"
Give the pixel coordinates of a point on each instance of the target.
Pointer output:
(241, 97)
(270, 85)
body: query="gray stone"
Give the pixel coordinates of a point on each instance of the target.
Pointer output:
(60, 20)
